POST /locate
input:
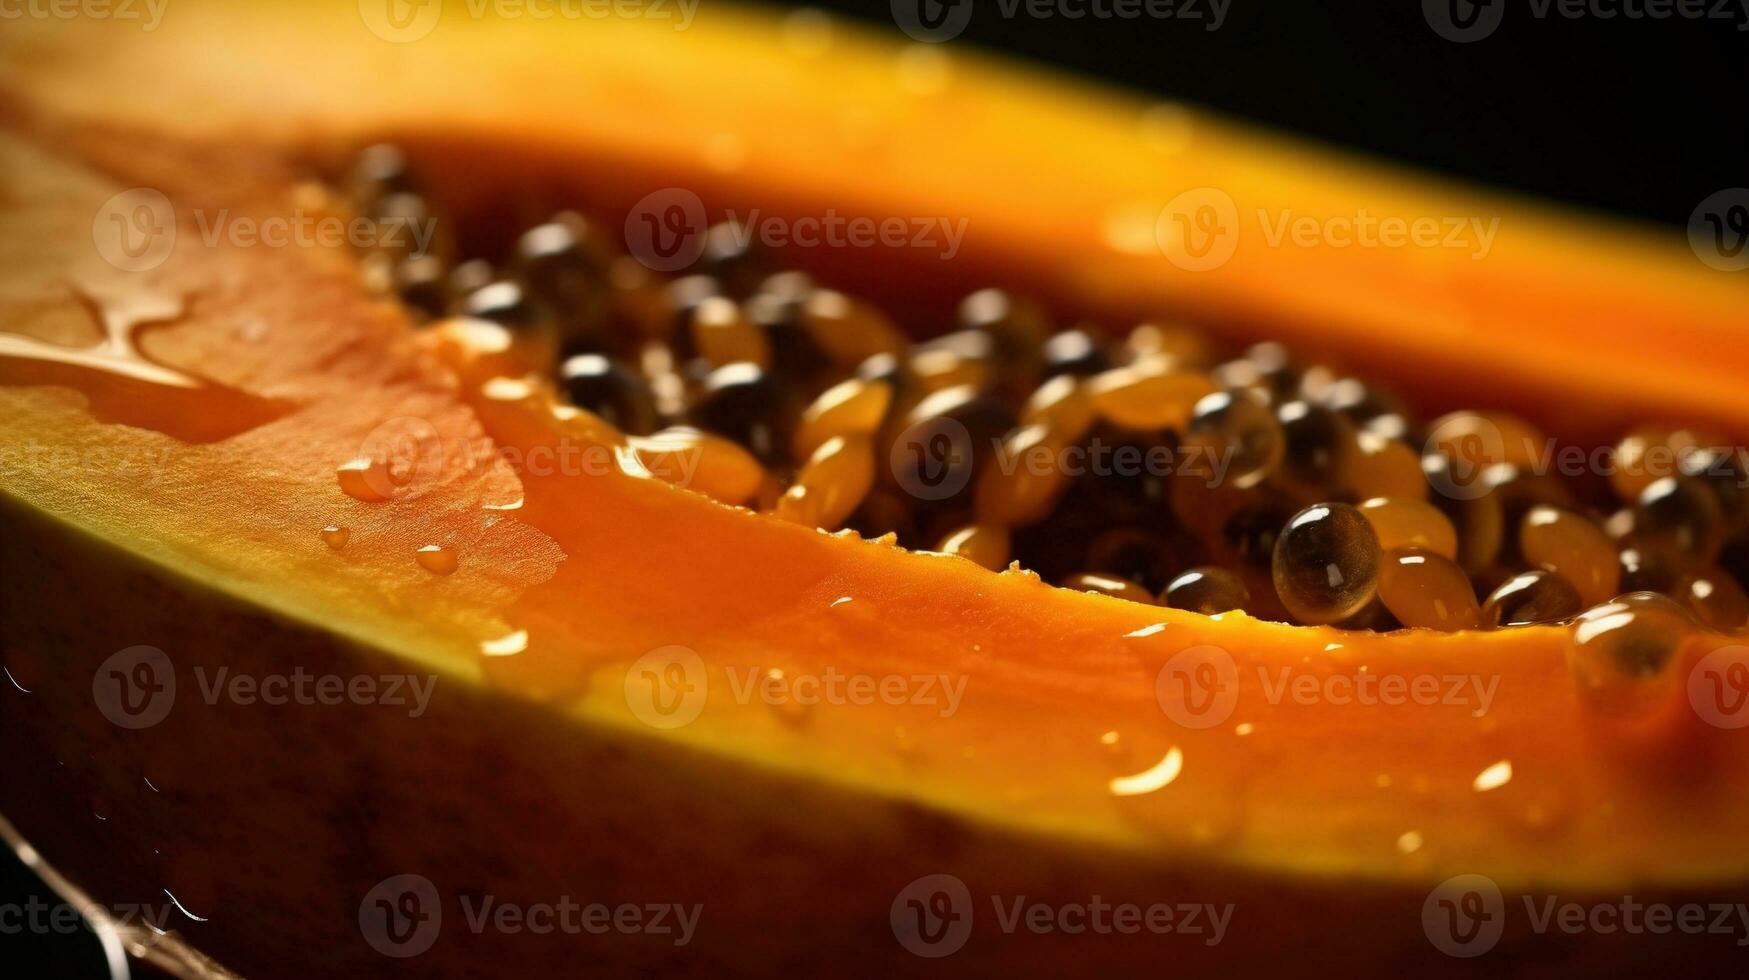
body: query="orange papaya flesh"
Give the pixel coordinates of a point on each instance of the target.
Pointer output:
(752, 121)
(1314, 796)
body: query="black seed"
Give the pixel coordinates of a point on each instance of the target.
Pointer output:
(504, 303)
(748, 405)
(603, 386)
(1075, 352)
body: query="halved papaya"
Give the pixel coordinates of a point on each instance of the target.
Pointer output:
(238, 682)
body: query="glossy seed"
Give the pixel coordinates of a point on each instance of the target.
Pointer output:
(744, 403)
(1473, 508)
(1715, 599)
(985, 544)
(846, 330)
(600, 385)
(833, 483)
(1233, 436)
(1573, 546)
(422, 283)
(1382, 467)
(1111, 585)
(1142, 556)
(1532, 597)
(1411, 523)
(1679, 514)
(1023, 480)
(1426, 590)
(1174, 343)
(1064, 406)
(1483, 439)
(965, 357)
(851, 407)
(700, 461)
(944, 440)
(1326, 563)
(1725, 471)
(722, 335)
(1622, 654)
(1317, 444)
(1143, 399)
(1076, 353)
(1206, 589)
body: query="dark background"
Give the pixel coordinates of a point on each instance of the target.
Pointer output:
(1643, 118)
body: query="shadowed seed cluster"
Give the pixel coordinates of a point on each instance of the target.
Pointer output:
(1150, 464)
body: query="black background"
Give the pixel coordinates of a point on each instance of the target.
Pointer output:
(1640, 117)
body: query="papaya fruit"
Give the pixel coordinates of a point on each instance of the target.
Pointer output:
(346, 639)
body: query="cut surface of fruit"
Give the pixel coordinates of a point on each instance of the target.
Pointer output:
(274, 469)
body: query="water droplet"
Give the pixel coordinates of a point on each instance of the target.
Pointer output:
(508, 645)
(335, 536)
(1622, 653)
(121, 382)
(775, 689)
(437, 559)
(1156, 777)
(1409, 842)
(364, 479)
(841, 600)
(1244, 728)
(1493, 777)
(1146, 631)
